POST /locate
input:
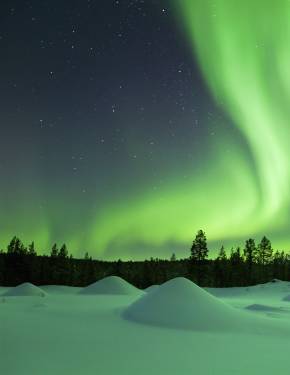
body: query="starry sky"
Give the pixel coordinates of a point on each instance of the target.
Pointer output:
(128, 125)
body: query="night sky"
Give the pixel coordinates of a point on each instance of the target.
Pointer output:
(126, 126)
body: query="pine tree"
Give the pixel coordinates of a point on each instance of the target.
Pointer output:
(236, 267)
(199, 250)
(173, 257)
(199, 253)
(31, 249)
(16, 247)
(222, 256)
(278, 264)
(220, 268)
(63, 253)
(54, 251)
(11, 246)
(250, 254)
(235, 257)
(264, 251)
(250, 251)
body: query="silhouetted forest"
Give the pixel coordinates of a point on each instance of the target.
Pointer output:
(252, 264)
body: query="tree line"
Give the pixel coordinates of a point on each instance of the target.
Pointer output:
(252, 264)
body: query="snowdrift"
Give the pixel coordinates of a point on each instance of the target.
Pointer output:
(25, 289)
(151, 288)
(181, 304)
(111, 285)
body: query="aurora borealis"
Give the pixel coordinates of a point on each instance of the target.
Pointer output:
(243, 52)
(126, 128)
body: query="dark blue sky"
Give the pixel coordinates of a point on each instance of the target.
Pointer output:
(101, 102)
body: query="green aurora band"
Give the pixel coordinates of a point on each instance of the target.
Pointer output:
(243, 52)
(239, 190)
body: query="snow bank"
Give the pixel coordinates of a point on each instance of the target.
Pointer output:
(275, 288)
(25, 289)
(111, 285)
(179, 303)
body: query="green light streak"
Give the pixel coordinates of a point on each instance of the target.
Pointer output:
(243, 51)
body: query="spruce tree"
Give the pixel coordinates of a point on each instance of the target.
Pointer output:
(278, 265)
(199, 250)
(199, 253)
(63, 253)
(16, 247)
(12, 246)
(31, 249)
(54, 251)
(250, 251)
(264, 251)
(220, 268)
(236, 263)
(250, 254)
(236, 257)
(222, 256)
(173, 257)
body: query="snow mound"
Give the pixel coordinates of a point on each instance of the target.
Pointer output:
(151, 288)
(181, 304)
(25, 289)
(111, 285)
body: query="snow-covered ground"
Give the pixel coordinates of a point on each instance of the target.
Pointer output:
(174, 329)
